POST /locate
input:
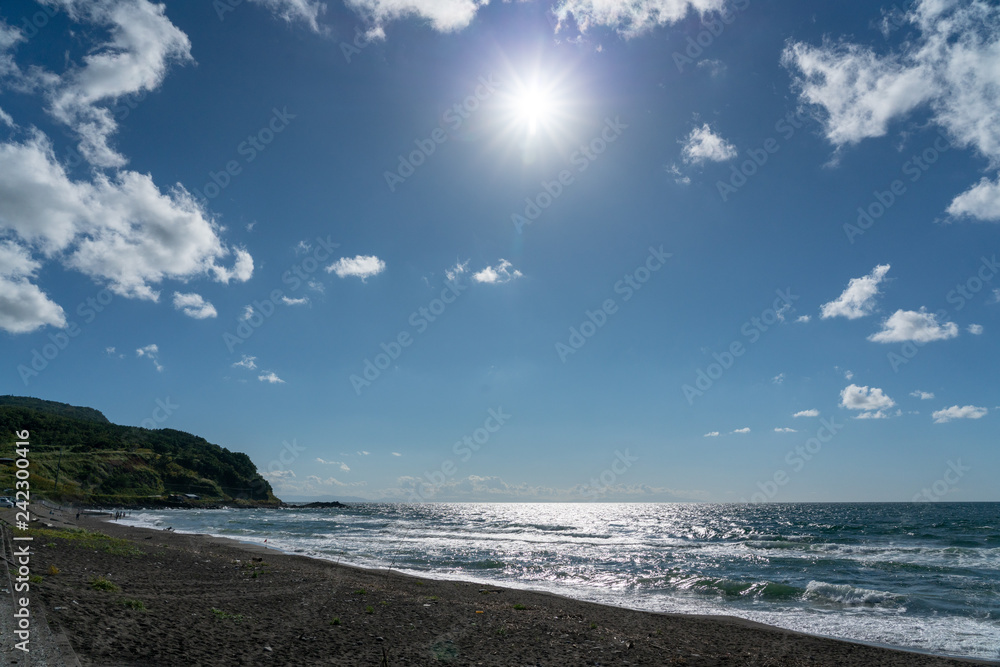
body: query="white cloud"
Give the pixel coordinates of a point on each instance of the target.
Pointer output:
(343, 466)
(143, 43)
(497, 275)
(679, 177)
(848, 375)
(396, 454)
(870, 402)
(858, 299)
(778, 379)
(316, 286)
(911, 325)
(975, 329)
(269, 376)
(807, 413)
(251, 225)
(151, 352)
(803, 318)
(295, 302)
(922, 395)
(307, 11)
(630, 17)
(785, 430)
(996, 296)
(360, 266)
(363, 453)
(956, 412)
(454, 272)
(948, 66)
(704, 145)
(711, 434)
(194, 305)
(247, 362)
(981, 201)
(247, 313)
(121, 230)
(443, 15)
(745, 429)
(24, 307)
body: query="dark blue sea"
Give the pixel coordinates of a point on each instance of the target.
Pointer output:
(921, 576)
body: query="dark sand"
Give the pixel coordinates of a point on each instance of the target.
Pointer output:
(277, 609)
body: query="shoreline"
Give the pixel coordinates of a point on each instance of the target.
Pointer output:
(375, 609)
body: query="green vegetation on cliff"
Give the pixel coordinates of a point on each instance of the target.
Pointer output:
(100, 462)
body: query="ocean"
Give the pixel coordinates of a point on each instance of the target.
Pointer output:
(919, 576)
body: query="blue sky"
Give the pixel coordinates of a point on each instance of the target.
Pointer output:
(572, 250)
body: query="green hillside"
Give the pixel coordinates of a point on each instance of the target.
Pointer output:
(104, 463)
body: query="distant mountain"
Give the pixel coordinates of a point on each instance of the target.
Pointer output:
(104, 463)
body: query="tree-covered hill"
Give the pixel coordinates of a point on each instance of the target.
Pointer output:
(100, 462)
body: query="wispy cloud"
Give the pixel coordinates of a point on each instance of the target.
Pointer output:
(247, 362)
(807, 413)
(343, 466)
(151, 352)
(922, 395)
(270, 377)
(785, 430)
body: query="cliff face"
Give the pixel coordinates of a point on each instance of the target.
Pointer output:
(100, 462)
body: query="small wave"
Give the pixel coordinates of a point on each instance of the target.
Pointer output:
(852, 596)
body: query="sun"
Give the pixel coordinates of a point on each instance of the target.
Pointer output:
(533, 107)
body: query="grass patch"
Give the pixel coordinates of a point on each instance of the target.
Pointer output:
(53, 570)
(104, 584)
(519, 606)
(88, 539)
(593, 626)
(335, 621)
(369, 609)
(137, 605)
(226, 616)
(361, 591)
(36, 578)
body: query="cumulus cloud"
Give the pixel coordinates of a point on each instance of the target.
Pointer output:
(497, 275)
(807, 413)
(858, 299)
(785, 430)
(745, 429)
(247, 362)
(711, 434)
(917, 326)
(122, 231)
(975, 329)
(307, 11)
(359, 266)
(703, 145)
(956, 412)
(151, 352)
(295, 302)
(270, 377)
(871, 403)
(922, 395)
(630, 17)
(948, 68)
(803, 319)
(24, 307)
(194, 305)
